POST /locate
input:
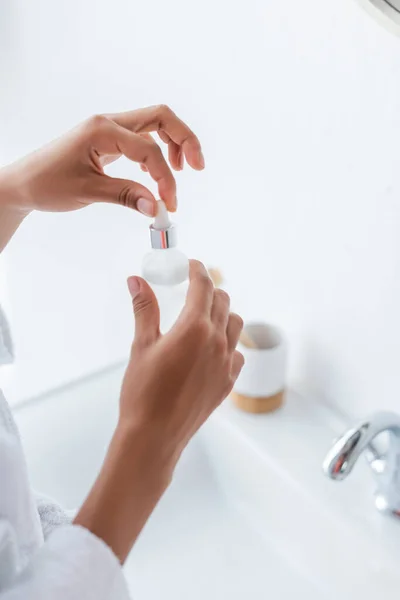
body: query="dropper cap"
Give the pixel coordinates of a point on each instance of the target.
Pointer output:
(162, 231)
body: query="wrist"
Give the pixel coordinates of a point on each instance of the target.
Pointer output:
(133, 478)
(14, 191)
(11, 211)
(145, 439)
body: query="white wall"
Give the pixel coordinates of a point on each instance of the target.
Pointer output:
(298, 107)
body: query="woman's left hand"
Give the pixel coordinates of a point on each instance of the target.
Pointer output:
(68, 174)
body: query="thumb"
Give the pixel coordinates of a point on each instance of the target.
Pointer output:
(146, 310)
(127, 193)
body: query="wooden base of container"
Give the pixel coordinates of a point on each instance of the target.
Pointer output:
(258, 405)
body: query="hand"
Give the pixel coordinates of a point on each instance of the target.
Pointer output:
(173, 382)
(68, 174)
(171, 386)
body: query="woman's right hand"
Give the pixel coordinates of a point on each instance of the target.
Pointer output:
(174, 382)
(171, 386)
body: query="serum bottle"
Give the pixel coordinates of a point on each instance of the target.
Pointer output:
(166, 268)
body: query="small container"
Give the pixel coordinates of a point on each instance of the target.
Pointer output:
(166, 268)
(260, 387)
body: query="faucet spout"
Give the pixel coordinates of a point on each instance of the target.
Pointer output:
(345, 452)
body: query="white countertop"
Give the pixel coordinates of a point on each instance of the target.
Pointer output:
(249, 501)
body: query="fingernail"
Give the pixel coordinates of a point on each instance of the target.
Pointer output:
(146, 207)
(133, 286)
(201, 160)
(181, 160)
(173, 205)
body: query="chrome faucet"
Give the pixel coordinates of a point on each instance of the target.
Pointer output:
(345, 452)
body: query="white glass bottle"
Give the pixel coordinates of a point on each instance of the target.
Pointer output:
(166, 268)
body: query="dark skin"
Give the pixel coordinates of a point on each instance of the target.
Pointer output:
(172, 382)
(68, 174)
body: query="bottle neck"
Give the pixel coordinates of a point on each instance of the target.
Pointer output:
(162, 239)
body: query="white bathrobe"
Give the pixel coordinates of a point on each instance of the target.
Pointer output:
(42, 555)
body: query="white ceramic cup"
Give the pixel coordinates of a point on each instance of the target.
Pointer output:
(264, 372)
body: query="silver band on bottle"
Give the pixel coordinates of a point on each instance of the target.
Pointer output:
(162, 239)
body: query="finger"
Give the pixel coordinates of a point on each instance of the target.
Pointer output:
(237, 365)
(150, 138)
(113, 138)
(175, 155)
(220, 309)
(200, 293)
(146, 311)
(181, 160)
(164, 136)
(233, 330)
(174, 158)
(162, 119)
(125, 193)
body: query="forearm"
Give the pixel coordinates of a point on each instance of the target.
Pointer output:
(11, 212)
(134, 476)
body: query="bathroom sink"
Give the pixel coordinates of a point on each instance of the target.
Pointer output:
(197, 545)
(248, 514)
